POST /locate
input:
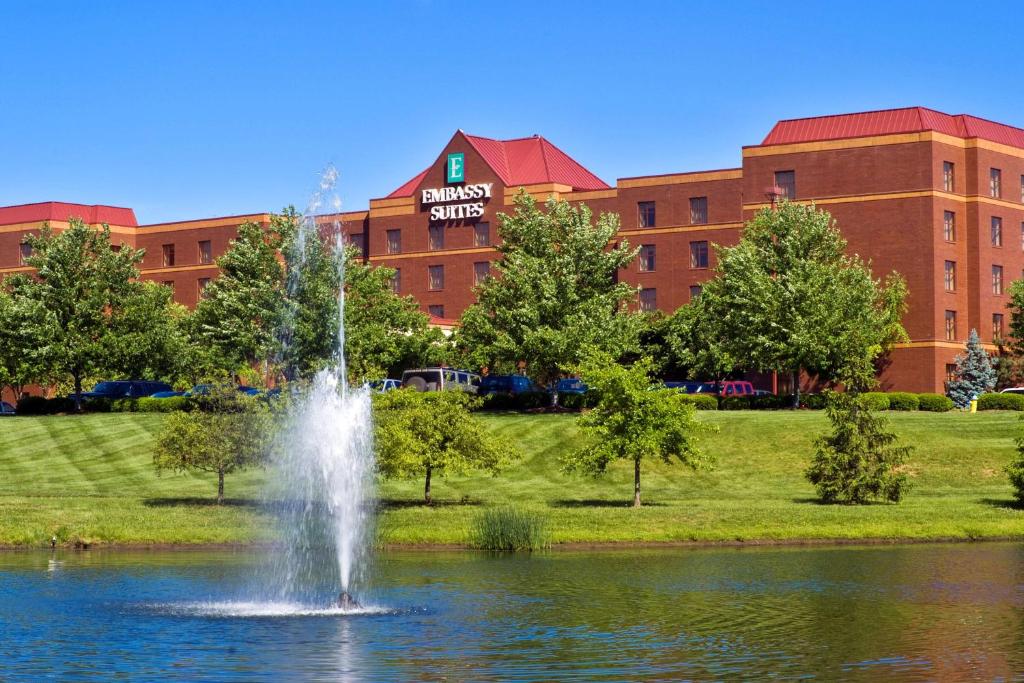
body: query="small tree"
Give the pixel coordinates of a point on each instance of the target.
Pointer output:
(423, 434)
(1016, 472)
(974, 373)
(632, 421)
(229, 432)
(860, 460)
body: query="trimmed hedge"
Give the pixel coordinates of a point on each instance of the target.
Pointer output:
(934, 403)
(163, 405)
(701, 401)
(902, 400)
(1001, 402)
(812, 401)
(734, 403)
(37, 405)
(526, 400)
(578, 401)
(876, 400)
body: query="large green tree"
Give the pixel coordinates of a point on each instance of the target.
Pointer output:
(20, 363)
(787, 298)
(241, 312)
(424, 434)
(554, 292)
(83, 296)
(634, 421)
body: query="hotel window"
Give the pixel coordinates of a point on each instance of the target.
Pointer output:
(481, 269)
(949, 226)
(950, 372)
(169, 284)
(698, 210)
(168, 255)
(394, 241)
(997, 231)
(26, 252)
(695, 291)
(396, 281)
(646, 216)
(786, 181)
(436, 310)
(699, 254)
(950, 325)
(203, 283)
(1022, 188)
(647, 258)
(482, 235)
(950, 276)
(205, 252)
(435, 277)
(436, 237)
(948, 176)
(997, 326)
(357, 241)
(648, 299)
(995, 183)
(116, 248)
(997, 280)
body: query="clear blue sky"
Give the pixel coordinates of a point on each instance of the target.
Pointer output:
(196, 109)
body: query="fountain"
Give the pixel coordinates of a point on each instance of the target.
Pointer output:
(324, 471)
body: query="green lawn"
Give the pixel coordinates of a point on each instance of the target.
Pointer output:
(91, 478)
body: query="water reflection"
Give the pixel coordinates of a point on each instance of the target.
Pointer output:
(904, 613)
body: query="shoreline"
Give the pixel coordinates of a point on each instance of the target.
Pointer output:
(571, 546)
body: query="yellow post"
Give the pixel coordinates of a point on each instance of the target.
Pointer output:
(974, 405)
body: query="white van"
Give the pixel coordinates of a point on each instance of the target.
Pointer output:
(441, 379)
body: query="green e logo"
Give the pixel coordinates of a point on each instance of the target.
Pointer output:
(456, 168)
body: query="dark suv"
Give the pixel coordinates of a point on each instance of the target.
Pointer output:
(128, 388)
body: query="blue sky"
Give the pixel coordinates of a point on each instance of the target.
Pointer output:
(195, 109)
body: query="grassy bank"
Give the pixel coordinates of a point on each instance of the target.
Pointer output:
(91, 478)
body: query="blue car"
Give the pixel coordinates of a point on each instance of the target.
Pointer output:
(129, 388)
(506, 384)
(571, 385)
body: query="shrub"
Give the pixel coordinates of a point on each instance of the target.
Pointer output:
(770, 402)
(902, 400)
(934, 403)
(734, 403)
(124, 405)
(876, 400)
(1016, 472)
(1001, 402)
(527, 400)
(163, 405)
(702, 401)
(811, 401)
(578, 401)
(32, 405)
(510, 529)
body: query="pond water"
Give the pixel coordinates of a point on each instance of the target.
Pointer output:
(935, 612)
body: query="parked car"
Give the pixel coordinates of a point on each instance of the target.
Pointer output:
(693, 387)
(129, 388)
(382, 385)
(1013, 390)
(202, 390)
(735, 388)
(570, 385)
(441, 379)
(506, 384)
(7, 409)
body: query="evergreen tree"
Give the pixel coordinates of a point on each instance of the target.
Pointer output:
(974, 373)
(861, 460)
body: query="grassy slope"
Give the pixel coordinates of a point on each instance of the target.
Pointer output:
(91, 477)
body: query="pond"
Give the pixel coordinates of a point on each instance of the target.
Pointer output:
(920, 612)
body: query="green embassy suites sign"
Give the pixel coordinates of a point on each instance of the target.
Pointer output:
(456, 167)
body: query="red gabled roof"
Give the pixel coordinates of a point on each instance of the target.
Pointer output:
(890, 121)
(62, 211)
(524, 161)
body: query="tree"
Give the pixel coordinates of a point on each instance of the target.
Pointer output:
(1015, 470)
(788, 299)
(423, 434)
(974, 373)
(19, 362)
(81, 296)
(633, 421)
(242, 310)
(860, 460)
(1016, 306)
(554, 292)
(149, 338)
(229, 432)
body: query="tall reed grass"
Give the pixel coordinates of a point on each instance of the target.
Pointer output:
(510, 529)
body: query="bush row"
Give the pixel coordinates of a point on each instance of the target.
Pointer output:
(1001, 402)
(37, 405)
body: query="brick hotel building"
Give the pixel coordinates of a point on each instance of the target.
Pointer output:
(938, 198)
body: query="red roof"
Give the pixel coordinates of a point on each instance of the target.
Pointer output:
(889, 121)
(524, 161)
(62, 211)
